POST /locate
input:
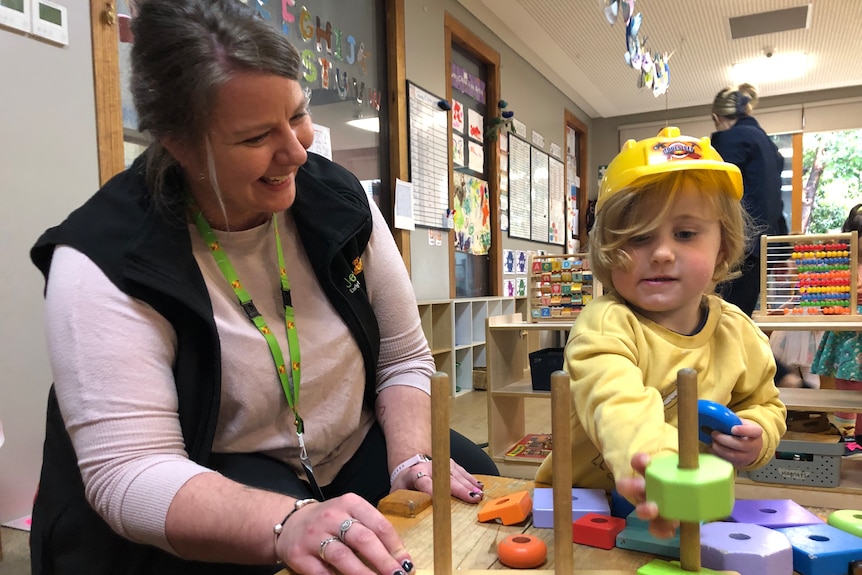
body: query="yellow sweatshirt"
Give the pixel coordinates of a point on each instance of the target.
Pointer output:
(623, 377)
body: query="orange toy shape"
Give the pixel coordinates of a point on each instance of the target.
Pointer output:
(521, 551)
(509, 509)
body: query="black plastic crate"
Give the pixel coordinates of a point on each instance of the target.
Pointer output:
(543, 363)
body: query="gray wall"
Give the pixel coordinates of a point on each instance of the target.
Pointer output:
(535, 101)
(48, 165)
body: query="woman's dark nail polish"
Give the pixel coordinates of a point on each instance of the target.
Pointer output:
(473, 494)
(398, 572)
(480, 484)
(408, 565)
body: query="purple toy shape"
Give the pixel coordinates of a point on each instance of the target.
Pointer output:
(583, 501)
(746, 548)
(772, 513)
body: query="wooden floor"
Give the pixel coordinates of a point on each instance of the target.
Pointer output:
(468, 415)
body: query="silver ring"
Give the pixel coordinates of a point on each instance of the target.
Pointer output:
(323, 544)
(420, 475)
(345, 525)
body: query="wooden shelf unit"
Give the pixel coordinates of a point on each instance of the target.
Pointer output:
(510, 341)
(455, 330)
(559, 286)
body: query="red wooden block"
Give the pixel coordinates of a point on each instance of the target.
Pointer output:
(597, 530)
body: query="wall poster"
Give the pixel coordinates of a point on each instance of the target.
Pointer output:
(472, 215)
(429, 156)
(538, 195)
(519, 188)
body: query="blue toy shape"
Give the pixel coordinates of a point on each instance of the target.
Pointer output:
(849, 520)
(620, 506)
(583, 501)
(772, 513)
(745, 548)
(636, 537)
(714, 416)
(822, 549)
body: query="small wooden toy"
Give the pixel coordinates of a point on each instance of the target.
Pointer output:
(772, 513)
(597, 530)
(509, 509)
(404, 503)
(745, 548)
(690, 487)
(583, 501)
(822, 549)
(849, 520)
(522, 551)
(712, 416)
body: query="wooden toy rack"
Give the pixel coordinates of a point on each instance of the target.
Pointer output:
(559, 286)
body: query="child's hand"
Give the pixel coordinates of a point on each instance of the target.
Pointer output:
(634, 489)
(743, 447)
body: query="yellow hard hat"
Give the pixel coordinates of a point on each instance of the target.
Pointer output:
(668, 152)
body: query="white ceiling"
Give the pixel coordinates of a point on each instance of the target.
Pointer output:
(571, 43)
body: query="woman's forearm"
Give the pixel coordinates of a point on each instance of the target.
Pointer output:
(214, 519)
(404, 414)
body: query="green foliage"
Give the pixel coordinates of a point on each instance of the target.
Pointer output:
(840, 185)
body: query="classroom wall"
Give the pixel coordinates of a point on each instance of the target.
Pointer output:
(535, 101)
(48, 165)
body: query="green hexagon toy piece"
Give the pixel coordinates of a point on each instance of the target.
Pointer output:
(662, 567)
(693, 495)
(849, 520)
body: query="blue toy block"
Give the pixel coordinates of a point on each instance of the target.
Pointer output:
(620, 506)
(772, 513)
(636, 537)
(745, 548)
(583, 501)
(822, 549)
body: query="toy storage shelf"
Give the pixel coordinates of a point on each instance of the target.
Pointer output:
(510, 340)
(455, 330)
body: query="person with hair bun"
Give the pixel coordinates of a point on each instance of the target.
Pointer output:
(741, 141)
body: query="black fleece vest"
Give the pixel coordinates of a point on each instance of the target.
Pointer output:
(148, 255)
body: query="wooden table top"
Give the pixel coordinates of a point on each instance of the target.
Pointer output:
(474, 544)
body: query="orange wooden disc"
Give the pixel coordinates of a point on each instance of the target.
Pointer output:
(522, 551)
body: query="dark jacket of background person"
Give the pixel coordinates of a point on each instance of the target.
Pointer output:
(149, 256)
(746, 145)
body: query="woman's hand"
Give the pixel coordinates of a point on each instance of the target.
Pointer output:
(346, 535)
(461, 484)
(743, 447)
(634, 489)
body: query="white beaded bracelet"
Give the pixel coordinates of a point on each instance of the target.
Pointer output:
(279, 527)
(418, 458)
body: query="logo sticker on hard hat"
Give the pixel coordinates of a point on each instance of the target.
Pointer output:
(678, 150)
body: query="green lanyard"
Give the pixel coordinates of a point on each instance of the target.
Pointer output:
(289, 379)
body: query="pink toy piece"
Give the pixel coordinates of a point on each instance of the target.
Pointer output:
(745, 548)
(772, 513)
(597, 530)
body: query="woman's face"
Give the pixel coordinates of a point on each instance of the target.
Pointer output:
(673, 265)
(259, 131)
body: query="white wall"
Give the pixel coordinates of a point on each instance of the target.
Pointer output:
(48, 166)
(535, 101)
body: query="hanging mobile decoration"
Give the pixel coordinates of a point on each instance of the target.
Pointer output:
(501, 123)
(654, 69)
(611, 9)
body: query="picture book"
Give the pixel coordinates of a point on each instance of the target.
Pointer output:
(535, 446)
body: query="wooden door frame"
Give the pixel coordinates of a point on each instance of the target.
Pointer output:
(572, 121)
(454, 32)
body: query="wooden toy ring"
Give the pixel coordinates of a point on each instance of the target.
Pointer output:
(714, 416)
(521, 551)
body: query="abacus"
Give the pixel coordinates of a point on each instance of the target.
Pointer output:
(808, 278)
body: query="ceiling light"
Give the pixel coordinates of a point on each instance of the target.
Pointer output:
(368, 124)
(774, 68)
